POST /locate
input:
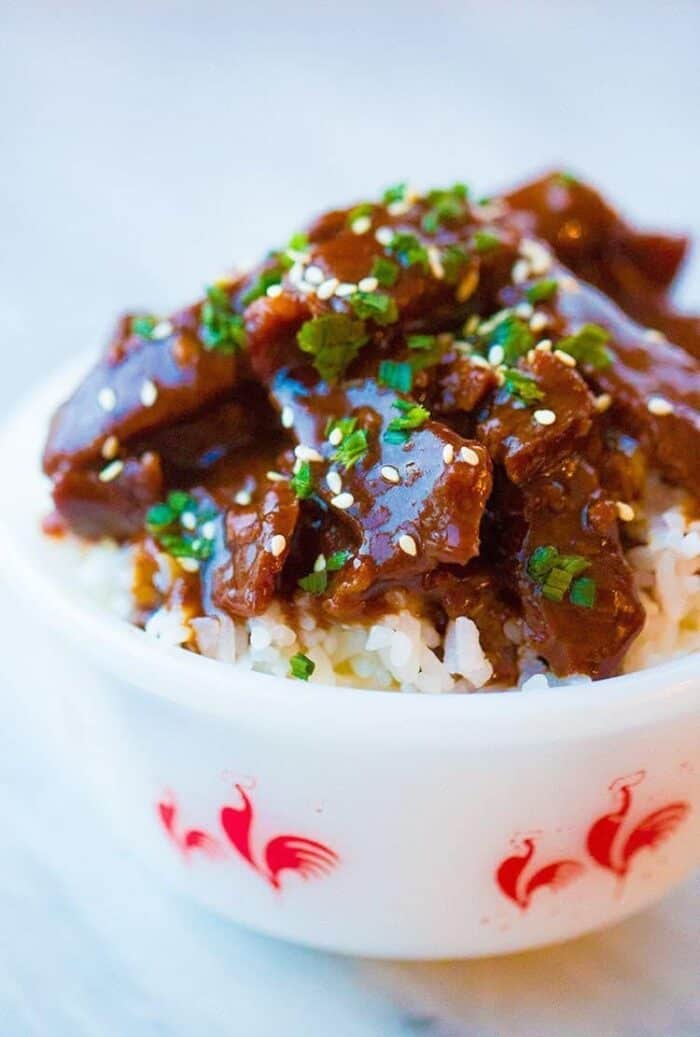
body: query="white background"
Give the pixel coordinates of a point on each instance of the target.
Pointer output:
(144, 148)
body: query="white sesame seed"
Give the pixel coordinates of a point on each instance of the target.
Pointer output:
(287, 417)
(566, 358)
(343, 501)
(334, 482)
(278, 545)
(275, 476)
(107, 398)
(368, 284)
(602, 402)
(320, 563)
(408, 545)
(544, 345)
(189, 520)
(163, 329)
(111, 471)
(569, 284)
(448, 453)
(478, 361)
(273, 291)
(398, 208)
(327, 288)
(652, 335)
(524, 310)
(465, 289)
(545, 417)
(110, 448)
(390, 473)
(500, 377)
(149, 393)
(436, 267)
(307, 453)
(209, 530)
(384, 235)
(190, 565)
(470, 456)
(336, 436)
(314, 275)
(537, 255)
(361, 225)
(496, 354)
(659, 406)
(296, 467)
(243, 498)
(345, 288)
(538, 321)
(625, 511)
(520, 271)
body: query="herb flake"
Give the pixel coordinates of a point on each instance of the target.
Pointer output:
(334, 340)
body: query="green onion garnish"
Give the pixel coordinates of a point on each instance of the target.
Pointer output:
(588, 346)
(396, 375)
(375, 306)
(521, 386)
(222, 330)
(334, 341)
(542, 291)
(385, 270)
(302, 481)
(413, 415)
(485, 241)
(301, 667)
(352, 449)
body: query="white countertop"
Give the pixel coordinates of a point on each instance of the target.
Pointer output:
(145, 147)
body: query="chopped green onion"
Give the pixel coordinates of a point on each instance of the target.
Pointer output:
(446, 205)
(301, 667)
(334, 340)
(345, 426)
(542, 291)
(556, 574)
(143, 326)
(302, 481)
(485, 241)
(556, 584)
(427, 350)
(181, 501)
(266, 280)
(542, 560)
(588, 346)
(222, 330)
(158, 517)
(573, 564)
(352, 449)
(521, 386)
(409, 251)
(375, 306)
(337, 560)
(396, 375)
(453, 258)
(395, 193)
(513, 336)
(315, 582)
(566, 178)
(164, 521)
(413, 415)
(364, 209)
(583, 592)
(385, 270)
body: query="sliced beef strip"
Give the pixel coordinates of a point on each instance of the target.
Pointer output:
(510, 432)
(434, 509)
(256, 542)
(634, 268)
(567, 510)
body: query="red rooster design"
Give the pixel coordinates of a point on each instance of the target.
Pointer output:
(282, 853)
(611, 848)
(190, 838)
(518, 887)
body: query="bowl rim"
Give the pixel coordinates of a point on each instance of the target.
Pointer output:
(210, 679)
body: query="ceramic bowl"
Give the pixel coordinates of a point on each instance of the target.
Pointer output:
(410, 826)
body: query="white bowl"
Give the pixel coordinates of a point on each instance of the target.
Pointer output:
(410, 826)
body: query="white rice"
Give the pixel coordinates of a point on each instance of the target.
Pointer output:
(405, 652)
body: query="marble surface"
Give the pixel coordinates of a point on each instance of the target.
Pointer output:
(145, 146)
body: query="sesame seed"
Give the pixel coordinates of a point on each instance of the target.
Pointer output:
(625, 511)
(496, 355)
(243, 497)
(539, 321)
(163, 329)
(320, 563)
(275, 476)
(336, 437)
(368, 284)
(209, 530)
(384, 235)
(399, 208)
(659, 406)
(472, 324)
(110, 448)
(189, 520)
(278, 545)
(470, 456)
(111, 471)
(149, 393)
(466, 288)
(520, 271)
(274, 291)
(478, 361)
(566, 358)
(307, 453)
(408, 545)
(537, 255)
(107, 398)
(361, 225)
(327, 288)
(544, 345)
(436, 267)
(343, 501)
(652, 335)
(297, 466)
(314, 275)
(531, 356)
(500, 377)
(190, 565)
(334, 482)
(287, 417)
(569, 284)
(345, 288)
(390, 473)
(524, 310)
(602, 402)
(448, 453)
(296, 274)
(545, 417)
